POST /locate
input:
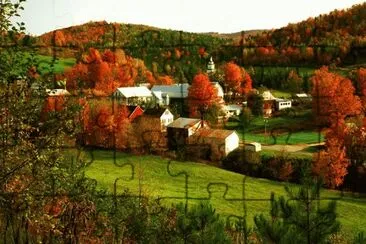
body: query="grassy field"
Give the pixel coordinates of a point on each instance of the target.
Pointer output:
(59, 66)
(152, 178)
(286, 129)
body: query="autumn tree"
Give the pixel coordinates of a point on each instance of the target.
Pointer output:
(331, 164)
(237, 79)
(361, 85)
(201, 95)
(103, 72)
(106, 125)
(333, 97)
(233, 76)
(293, 82)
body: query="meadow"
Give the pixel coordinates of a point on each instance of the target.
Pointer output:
(60, 64)
(150, 176)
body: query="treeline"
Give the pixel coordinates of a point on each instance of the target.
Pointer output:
(337, 37)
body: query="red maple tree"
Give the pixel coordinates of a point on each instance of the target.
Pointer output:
(331, 164)
(237, 79)
(201, 94)
(333, 97)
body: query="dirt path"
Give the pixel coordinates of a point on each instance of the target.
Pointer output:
(289, 148)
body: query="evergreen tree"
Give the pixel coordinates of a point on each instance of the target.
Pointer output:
(299, 218)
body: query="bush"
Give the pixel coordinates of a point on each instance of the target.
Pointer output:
(280, 168)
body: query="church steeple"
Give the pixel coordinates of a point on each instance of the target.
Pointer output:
(211, 66)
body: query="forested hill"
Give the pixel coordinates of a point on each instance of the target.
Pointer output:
(339, 27)
(129, 36)
(335, 38)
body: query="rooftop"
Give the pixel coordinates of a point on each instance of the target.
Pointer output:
(184, 123)
(173, 91)
(134, 91)
(214, 133)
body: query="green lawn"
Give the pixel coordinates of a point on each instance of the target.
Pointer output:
(301, 137)
(150, 172)
(59, 66)
(280, 94)
(291, 130)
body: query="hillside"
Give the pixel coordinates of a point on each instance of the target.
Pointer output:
(337, 38)
(340, 27)
(152, 178)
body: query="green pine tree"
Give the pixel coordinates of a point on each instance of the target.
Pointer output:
(299, 218)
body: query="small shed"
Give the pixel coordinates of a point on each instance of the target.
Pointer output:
(283, 104)
(253, 147)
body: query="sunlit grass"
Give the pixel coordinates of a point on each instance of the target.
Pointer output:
(152, 178)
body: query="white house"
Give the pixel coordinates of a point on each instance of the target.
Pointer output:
(159, 115)
(133, 95)
(222, 142)
(233, 110)
(283, 104)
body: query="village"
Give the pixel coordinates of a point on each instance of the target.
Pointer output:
(153, 105)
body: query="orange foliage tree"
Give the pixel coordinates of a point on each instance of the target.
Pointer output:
(201, 94)
(361, 83)
(103, 73)
(331, 164)
(333, 100)
(105, 125)
(237, 79)
(333, 97)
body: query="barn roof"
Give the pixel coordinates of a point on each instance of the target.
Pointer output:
(134, 91)
(214, 133)
(173, 91)
(184, 123)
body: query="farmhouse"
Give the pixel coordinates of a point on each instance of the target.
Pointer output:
(221, 142)
(161, 116)
(133, 95)
(182, 128)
